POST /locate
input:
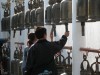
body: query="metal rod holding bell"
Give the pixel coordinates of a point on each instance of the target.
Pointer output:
(83, 28)
(66, 13)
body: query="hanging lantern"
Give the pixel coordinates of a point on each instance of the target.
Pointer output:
(66, 11)
(40, 14)
(56, 12)
(82, 13)
(48, 12)
(92, 10)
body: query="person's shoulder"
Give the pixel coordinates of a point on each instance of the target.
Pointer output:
(32, 47)
(26, 48)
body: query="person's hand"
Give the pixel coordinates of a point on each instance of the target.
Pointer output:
(67, 34)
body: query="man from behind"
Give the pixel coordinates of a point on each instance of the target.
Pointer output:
(40, 59)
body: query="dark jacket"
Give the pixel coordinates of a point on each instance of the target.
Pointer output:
(41, 57)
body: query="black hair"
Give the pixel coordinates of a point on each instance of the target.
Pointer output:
(1, 44)
(15, 9)
(31, 36)
(58, 1)
(30, 42)
(40, 32)
(51, 2)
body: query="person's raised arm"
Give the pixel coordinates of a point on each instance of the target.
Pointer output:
(58, 45)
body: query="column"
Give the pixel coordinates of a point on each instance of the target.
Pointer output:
(78, 41)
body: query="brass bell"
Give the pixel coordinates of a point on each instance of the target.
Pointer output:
(82, 10)
(27, 19)
(56, 12)
(21, 19)
(14, 24)
(16, 54)
(87, 70)
(28, 16)
(35, 4)
(8, 23)
(19, 7)
(3, 24)
(33, 12)
(6, 12)
(48, 12)
(14, 19)
(92, 10)
(33, 17)
(68, 64)
(66, 11)
(82, 13)
(96, 71)
(97, 10)
(30, 4)
(40, 14)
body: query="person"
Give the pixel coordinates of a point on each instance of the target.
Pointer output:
(40, 60)
(2, 41)
(31, 41)
(0, 58)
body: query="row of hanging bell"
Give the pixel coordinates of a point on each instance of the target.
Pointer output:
(64, 65)
(88, 69)
(18, 19)
(35, 15)
(5, 22)
(88, 10)
(28, 14)
(61, 11)
(58, 12)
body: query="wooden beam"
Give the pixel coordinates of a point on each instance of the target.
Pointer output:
(90, 50)
(67, 47)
